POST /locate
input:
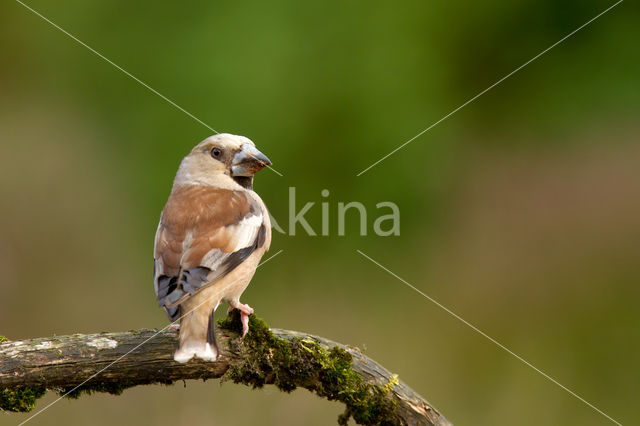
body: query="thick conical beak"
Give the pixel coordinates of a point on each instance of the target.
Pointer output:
(248, 161)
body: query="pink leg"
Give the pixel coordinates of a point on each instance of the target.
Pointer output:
(245, 323)
(245, 311)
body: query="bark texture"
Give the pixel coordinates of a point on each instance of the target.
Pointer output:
(112, 362)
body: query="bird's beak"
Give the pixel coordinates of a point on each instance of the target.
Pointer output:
(248, 161)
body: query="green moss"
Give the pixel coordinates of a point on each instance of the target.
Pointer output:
(89, 388)
(305, 363)
(113, 388)
(393, 382)
(21, 399)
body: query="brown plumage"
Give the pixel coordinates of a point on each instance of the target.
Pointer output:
(212, 233)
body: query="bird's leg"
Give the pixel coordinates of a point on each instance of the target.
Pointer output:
(245, 311)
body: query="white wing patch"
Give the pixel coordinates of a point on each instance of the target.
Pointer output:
(245, 231)
(241, 235)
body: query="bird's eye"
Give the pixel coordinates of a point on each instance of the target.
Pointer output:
(216, 152)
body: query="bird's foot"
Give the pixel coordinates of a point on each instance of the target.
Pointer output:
(245, 323)
(245, 311)
(175, 326)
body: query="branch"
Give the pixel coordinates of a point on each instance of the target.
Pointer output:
(286, 359)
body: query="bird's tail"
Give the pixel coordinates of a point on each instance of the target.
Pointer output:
(197, 334)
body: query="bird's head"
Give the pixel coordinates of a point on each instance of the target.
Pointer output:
(219, 156)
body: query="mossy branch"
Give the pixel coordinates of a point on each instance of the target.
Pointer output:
(286, 359)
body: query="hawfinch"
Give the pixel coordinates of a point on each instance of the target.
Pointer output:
(212, 233)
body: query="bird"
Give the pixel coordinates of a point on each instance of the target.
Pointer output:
(213, 231)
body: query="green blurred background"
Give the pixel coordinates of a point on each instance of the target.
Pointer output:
(521, 212)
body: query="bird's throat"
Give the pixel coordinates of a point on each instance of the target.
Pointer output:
(244, 181)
